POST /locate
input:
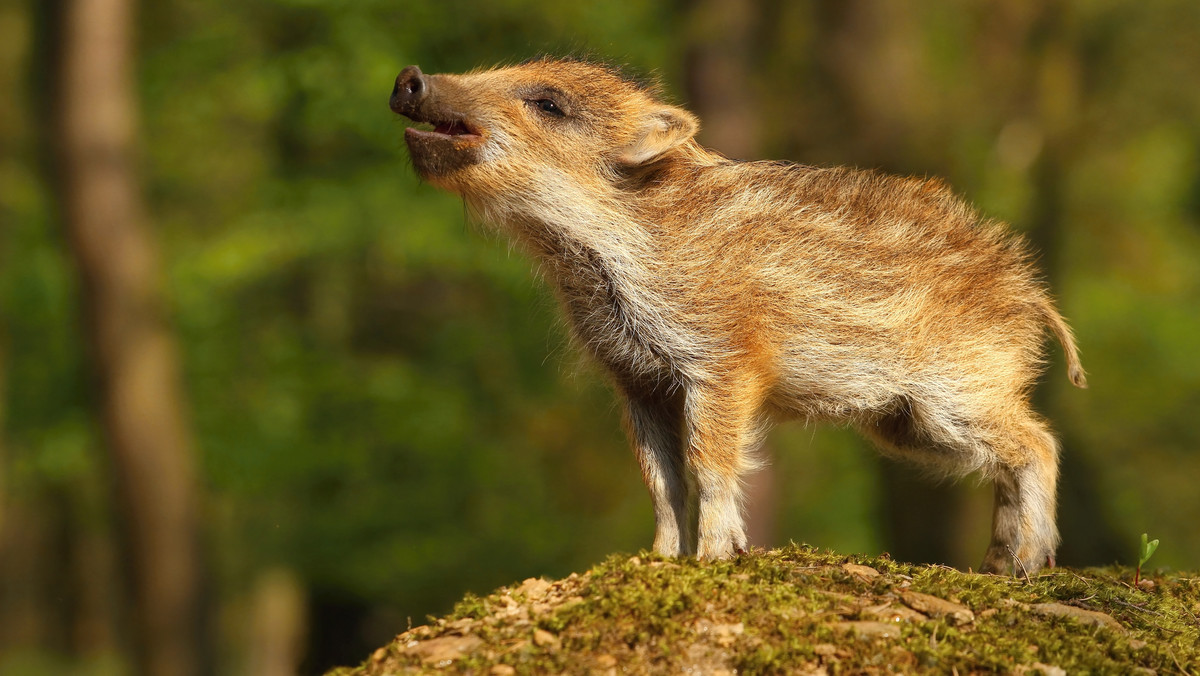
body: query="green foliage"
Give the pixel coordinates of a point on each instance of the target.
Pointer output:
(1144, 553)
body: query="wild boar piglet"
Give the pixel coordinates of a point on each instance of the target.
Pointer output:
(719, 295)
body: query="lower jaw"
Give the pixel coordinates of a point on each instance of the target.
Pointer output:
(435, 158)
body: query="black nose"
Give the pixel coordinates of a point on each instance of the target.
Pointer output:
(410, 90)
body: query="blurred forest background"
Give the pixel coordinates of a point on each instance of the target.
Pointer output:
(353, 405)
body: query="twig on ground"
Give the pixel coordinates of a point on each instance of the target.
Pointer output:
(1019, 563)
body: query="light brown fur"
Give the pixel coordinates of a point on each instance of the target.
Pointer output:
(721, 295)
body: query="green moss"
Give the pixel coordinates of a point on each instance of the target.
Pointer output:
(794, 608)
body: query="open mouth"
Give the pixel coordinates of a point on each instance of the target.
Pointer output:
(451, 145)
(457, 129)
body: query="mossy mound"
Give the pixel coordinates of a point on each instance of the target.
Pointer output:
(797, 610)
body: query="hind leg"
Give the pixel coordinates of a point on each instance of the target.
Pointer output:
(1016, 450)
(1024, 534)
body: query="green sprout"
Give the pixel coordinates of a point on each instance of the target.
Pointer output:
(1147, 551)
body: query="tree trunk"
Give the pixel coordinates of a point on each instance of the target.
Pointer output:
(279, 625)
(132, 353)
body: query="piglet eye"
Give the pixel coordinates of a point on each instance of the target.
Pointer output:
(548, 106)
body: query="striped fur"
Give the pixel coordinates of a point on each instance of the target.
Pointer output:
(722, 295)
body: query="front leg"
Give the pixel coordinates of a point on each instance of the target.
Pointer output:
(654, 421)
(724, 426)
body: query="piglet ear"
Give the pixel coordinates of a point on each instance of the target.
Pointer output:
(659, 130)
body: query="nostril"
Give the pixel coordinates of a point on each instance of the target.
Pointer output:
(411, 81)
(409, 91)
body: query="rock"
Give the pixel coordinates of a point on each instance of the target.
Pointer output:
(887, 612)
(1092, 617)
(545, 639)
(511, 609)
(444, 649)
(865, 573)
(534, 588)
(503, 670)
(956, 613)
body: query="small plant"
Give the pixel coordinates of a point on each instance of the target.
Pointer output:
(1147, 551)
